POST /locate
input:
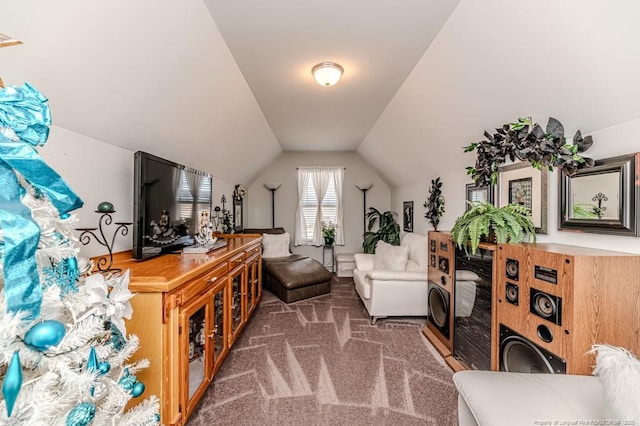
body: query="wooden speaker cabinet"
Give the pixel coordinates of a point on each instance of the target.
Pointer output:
(439, 328)
(553, 302)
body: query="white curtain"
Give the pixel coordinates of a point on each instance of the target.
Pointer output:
(177, 174)
(194, 180)
(300, 237)
(320, 178)
(338, 176)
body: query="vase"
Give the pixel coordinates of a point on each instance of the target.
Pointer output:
(328, 241)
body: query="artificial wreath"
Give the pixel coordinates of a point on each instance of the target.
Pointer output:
(527, 141)
(435, 203)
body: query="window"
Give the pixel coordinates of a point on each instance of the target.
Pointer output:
(310, 206)
(314, 208)
(185, 197)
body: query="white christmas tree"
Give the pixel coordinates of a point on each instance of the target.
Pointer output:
(63, 345)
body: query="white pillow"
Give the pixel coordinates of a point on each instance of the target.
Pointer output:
(275, 245)
(619, 373)
(390, 258)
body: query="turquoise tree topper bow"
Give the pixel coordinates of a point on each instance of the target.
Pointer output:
(24, 124)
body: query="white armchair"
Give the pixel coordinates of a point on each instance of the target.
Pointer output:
(394, 293)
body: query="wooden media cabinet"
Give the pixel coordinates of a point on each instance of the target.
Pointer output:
(188, 311)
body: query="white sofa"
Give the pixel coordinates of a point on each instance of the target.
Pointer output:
(394, 293)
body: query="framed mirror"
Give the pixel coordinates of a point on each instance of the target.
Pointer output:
(478, 194)
(601, 199)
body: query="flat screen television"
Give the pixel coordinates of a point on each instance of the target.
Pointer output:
(169, 199)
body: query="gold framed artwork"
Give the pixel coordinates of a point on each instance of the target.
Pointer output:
(520, 183)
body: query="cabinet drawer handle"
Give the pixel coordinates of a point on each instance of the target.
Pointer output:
(213, 279)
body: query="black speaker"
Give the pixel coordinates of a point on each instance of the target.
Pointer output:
(432, 260)
(511, 293)
(513, 269)
(443, 264)
(546, 306)
(439, 308)
(432, 246)
(520, 355)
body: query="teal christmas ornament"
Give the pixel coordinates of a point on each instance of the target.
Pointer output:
(105, 207)
(127, 382)
(104, 367)
(137, 390)
(72, 268)
(45, 334)
(12, 382)
(92, 361)
(81, 415)
(117, 339)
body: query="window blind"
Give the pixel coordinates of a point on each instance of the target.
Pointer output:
(310, 206)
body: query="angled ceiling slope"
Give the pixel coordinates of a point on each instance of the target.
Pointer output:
(142, 75)
(276, 43)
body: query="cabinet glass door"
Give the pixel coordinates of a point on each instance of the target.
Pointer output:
(219, 332)
(252, 278)
(195, 364)
(258, 278)
(238, 299)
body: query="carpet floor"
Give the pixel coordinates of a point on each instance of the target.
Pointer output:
(320, 362)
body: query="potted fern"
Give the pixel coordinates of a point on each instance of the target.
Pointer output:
(508, 223)
(388, 229)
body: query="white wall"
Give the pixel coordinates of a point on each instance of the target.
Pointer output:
(495, 61)
(609, 142)
(97, 171)
(284, 170)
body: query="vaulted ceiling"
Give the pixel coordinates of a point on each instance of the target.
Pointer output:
(203, 81)
(225, 86)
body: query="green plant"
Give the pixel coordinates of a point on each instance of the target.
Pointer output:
(527, 141)
(227, 225)
(435, 203)
(388, 229)
(329, 231)
(508, 223)
(585, 211)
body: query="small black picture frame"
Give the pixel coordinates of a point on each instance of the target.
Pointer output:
(237, 215)
(520, 192)
(407, 216)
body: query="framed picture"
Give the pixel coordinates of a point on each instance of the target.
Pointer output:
(520, 183)
(407, 216)
(237, 215)
(478, 194)
(602, 199)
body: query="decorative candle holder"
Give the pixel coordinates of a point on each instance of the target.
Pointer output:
(106, 208)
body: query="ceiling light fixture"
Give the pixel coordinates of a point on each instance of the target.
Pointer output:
(327, 73)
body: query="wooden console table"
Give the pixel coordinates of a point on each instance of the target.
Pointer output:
(188, 311)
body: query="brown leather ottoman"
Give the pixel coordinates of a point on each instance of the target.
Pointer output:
(295, 277)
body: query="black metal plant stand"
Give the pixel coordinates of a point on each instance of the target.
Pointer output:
(104, 263)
